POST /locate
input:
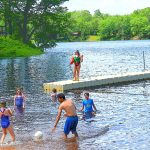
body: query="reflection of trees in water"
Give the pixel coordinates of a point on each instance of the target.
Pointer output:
(24, 73)
(31, 73)
(57, 67)
(17, 71)
(10, 75)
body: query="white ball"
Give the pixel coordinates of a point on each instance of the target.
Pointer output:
(38, 135)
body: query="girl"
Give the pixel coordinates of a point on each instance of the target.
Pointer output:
(19, 99)
(76, 60)
(5, 114)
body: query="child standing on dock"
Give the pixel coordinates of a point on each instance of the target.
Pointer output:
(72, 119)
(54, 95)
(5, 114)
(87, 106)
(76, 60)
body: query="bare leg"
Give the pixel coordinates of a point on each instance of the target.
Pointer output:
(10, 129)
(4, 135)
(78, 72)
(65, 136)
(74, 73)
(75, 134)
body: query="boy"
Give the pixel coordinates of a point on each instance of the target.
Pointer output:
(87, 106)
(72, 120)
(5, 114)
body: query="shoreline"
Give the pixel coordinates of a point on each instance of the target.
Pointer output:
(10, 48)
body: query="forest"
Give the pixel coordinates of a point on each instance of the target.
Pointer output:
(43, 23)
(107, 27)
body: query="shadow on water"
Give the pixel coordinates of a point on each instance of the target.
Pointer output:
(94, 133)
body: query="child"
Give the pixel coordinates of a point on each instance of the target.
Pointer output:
(72, 119)
(19, 99)
(88, 106)
(5, 114)
(54, 95)
(76, 60)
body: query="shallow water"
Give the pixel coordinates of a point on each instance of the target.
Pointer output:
(122, 121)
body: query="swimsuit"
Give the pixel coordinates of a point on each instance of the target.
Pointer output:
(88, 108)
(4, 120)
(70, 124)
(19, 101)
(76, 61)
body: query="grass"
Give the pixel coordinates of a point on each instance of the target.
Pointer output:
(15, 48)
(93, 38)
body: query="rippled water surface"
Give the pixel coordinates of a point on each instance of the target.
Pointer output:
(123, 118)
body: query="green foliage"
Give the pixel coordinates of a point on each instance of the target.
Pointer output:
(81, 23)
(46, 22)
(38, 20)
(93, 38)
(115, 28)
(15, 48)
(135, 25)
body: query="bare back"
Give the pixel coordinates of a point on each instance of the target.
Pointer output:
(69, 107)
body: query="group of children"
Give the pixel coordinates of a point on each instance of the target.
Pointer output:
(6, 113)
(65, 104)
(88, 109)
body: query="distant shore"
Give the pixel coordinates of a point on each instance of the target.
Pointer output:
(10, 48)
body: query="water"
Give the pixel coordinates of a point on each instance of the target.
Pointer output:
(122, 121)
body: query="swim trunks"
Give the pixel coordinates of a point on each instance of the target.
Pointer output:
(70, 124)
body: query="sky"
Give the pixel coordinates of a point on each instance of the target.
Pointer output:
(113, 7)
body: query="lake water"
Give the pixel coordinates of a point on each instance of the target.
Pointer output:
(123, 118)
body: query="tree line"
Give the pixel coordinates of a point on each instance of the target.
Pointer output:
(133, 26)
(44, 22)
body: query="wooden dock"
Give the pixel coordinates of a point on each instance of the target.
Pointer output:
(62, 86)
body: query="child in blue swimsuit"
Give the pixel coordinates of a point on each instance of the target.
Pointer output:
(87, 106)
(19, 100)
(5, 114)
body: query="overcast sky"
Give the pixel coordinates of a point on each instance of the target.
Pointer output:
(112, 7)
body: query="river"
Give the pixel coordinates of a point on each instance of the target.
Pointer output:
(123, 118)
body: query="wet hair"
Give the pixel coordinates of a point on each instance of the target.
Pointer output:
(61, 95)
(86, 94)
(19, 89)
(54, 90)
(3, 104)
(77, 51)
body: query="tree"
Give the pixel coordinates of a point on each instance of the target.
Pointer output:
(140, 27)
(34, 20)
(81, 22)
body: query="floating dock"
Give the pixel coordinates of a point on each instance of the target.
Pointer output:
(62, 86)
